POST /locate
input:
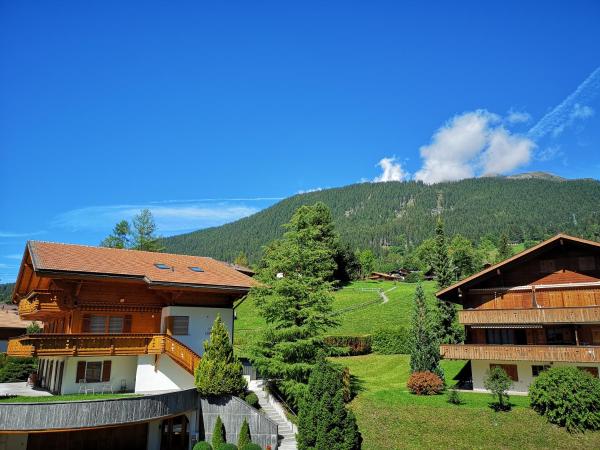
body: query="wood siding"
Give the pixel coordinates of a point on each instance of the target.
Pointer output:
(588, 314)
(541, 353)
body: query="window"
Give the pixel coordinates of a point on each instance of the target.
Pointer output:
(592, 370)
(560, 336)
(196, 269)
(547, 266)
(178, 325)
(536, 370)
(93, 372)
(115, 324)
(510, 369)
(500, 336)
(97, 324)
(162, 266)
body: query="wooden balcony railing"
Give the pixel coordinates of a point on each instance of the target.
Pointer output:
(582, 314)
(39, 304)
(127, 344)
(541, 353)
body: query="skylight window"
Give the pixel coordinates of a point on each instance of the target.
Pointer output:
(162, 266)
(196, 269)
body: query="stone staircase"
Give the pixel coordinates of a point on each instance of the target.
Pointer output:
(274, 411)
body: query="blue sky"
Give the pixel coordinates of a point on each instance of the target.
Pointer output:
(207, 112)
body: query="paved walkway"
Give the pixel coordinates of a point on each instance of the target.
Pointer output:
(385, 297)
(21, 389)
(287, 436)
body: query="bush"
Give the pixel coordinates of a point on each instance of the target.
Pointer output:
(391, 341)
(227, 446)
(244, 437)
(425, 383)
(454, 397)
(218, 437)
(352, 345)
(202, 446)
(414, 277)
(251, 446)
(498, 382)
(567, 396)
(252, 399)
(15, 369)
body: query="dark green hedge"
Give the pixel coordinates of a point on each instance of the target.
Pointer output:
(16, 369)
(350, 345)
(391, 341)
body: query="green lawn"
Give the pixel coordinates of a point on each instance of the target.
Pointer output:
(390, 417)
(64, 398)
(396, 312)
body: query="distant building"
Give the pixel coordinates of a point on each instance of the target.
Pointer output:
(385, 276)
(11, 325)
(538, 309)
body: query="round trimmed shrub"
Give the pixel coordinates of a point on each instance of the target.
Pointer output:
(252, 399)
(227, 446)
(425, 383)
(568, 397)
(251, 446)
(202, 446)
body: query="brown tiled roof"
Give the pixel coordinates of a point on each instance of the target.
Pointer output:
(55, 257)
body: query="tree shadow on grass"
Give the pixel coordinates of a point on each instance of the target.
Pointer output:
(497, 407)
(356, 386)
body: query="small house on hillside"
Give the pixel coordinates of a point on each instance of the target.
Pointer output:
(380, 276)
(11, 325)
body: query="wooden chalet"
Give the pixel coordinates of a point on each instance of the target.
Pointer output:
(11, 325)
(534, 310)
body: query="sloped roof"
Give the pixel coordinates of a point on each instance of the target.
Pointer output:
(516, 258)
(102, 261)
(9, 318)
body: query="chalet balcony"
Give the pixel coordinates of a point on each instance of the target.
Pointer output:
(128, 344)
(39, 305)
(573, 315)
(541, 353)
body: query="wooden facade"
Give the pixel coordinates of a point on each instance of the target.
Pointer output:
(542, 305)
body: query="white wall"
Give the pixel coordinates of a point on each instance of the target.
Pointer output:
(168, 376)
(154, 435)
(480, 368)
(122, 367)
(201, 321)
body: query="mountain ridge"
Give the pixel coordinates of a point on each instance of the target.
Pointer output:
(377, 215)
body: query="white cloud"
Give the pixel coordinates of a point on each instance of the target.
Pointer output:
(308, 191)
(505, 152)
(518, 117)
(549, 153)
(391, 170)
(472, 144)
(173, 218)
(14, 256)
(569, 110)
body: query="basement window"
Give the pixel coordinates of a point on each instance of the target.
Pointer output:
(196, 269)
(162, 266)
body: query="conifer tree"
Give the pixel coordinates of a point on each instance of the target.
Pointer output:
(244, 437)
(425, 353)
(295, 300)
(448, 331)
(120, 236)
(218, 437)
(219, 372)
(324, 422)
(504, 250)
(144, 233)
(241, 259)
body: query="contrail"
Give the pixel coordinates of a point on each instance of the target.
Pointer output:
(585, 92)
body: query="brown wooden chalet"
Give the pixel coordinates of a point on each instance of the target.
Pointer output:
(535, 309)
(104, 302)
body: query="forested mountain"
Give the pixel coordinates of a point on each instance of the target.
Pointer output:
(6, 290)
(377, 215)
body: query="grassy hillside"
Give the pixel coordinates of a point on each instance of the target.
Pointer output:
(370, 313)
(389, 417)
(379, 214)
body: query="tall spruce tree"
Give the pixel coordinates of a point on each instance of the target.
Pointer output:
(504, 250)
(219, 372)
(425, 353)
(324, 422)
(448, 330)
(140, 235)
(295, 300)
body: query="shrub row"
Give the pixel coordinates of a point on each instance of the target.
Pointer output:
(351, 345)
(391, 341)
